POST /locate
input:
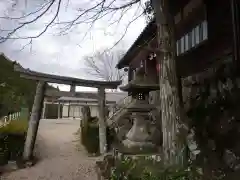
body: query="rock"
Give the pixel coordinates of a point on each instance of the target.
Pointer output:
(28, 164)
(231, 160)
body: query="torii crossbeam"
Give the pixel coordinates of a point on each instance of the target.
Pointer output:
(28, 74)
(42, 79)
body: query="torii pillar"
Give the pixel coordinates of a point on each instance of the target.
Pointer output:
(59, 110)
(102, 121)
(34, 121)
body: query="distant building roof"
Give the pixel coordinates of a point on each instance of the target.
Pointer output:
(111, 97)
(58, 94)
(115, 96)
(64, 98)
(5, 57)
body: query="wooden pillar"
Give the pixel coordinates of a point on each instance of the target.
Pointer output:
(69, 109)
(59, 110)
(236, 30)
(34, 121)
(102, 122)
(130, 74)
(44, 110)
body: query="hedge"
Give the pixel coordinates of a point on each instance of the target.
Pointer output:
(90, 137)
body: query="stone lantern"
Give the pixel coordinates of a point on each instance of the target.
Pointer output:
(142, 136)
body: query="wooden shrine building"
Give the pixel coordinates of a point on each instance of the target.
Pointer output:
(205, 31)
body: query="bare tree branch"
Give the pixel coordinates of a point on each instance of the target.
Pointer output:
(102, 65)
(28, 14)
(3, 39)
(27, 44)
(90, 13)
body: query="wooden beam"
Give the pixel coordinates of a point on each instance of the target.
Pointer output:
(51, 93)
(28, 74)
(102, 121)
(236, 30)
(34, 121)
(69, 106)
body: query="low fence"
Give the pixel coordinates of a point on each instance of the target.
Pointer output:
(13, 132)
(23, 114)
(11, 117)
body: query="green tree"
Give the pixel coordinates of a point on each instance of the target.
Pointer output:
(15, 92)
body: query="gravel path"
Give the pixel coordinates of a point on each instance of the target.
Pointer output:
(59, 158)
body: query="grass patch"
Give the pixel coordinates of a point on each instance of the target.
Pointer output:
(15, 127)
(90, 137)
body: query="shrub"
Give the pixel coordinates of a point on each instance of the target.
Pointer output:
(149, 169)
(12, 138)
(90, 136)
(15, 127)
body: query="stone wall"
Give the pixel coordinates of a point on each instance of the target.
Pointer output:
(211, 100)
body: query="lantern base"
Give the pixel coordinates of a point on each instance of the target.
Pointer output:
(132, 147)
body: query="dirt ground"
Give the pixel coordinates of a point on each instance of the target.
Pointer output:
(59, 157)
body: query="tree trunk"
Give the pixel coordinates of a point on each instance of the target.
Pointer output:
(169, 97)
(102, 122)
(34, 121)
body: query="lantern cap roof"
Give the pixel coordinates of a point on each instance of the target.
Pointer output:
(140, 86)
(138, 105)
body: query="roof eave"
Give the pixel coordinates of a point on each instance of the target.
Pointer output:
(134, 49)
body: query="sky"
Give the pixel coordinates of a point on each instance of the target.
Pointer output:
(63, 55)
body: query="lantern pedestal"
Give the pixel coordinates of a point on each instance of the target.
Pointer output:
(139, 138)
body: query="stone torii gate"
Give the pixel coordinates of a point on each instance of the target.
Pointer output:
(35, 117)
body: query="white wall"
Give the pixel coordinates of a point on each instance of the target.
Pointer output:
(75, 111)
(65, 111)
(94, 111)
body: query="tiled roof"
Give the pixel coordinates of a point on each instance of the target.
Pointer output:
(89, 96)
(64, 98)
